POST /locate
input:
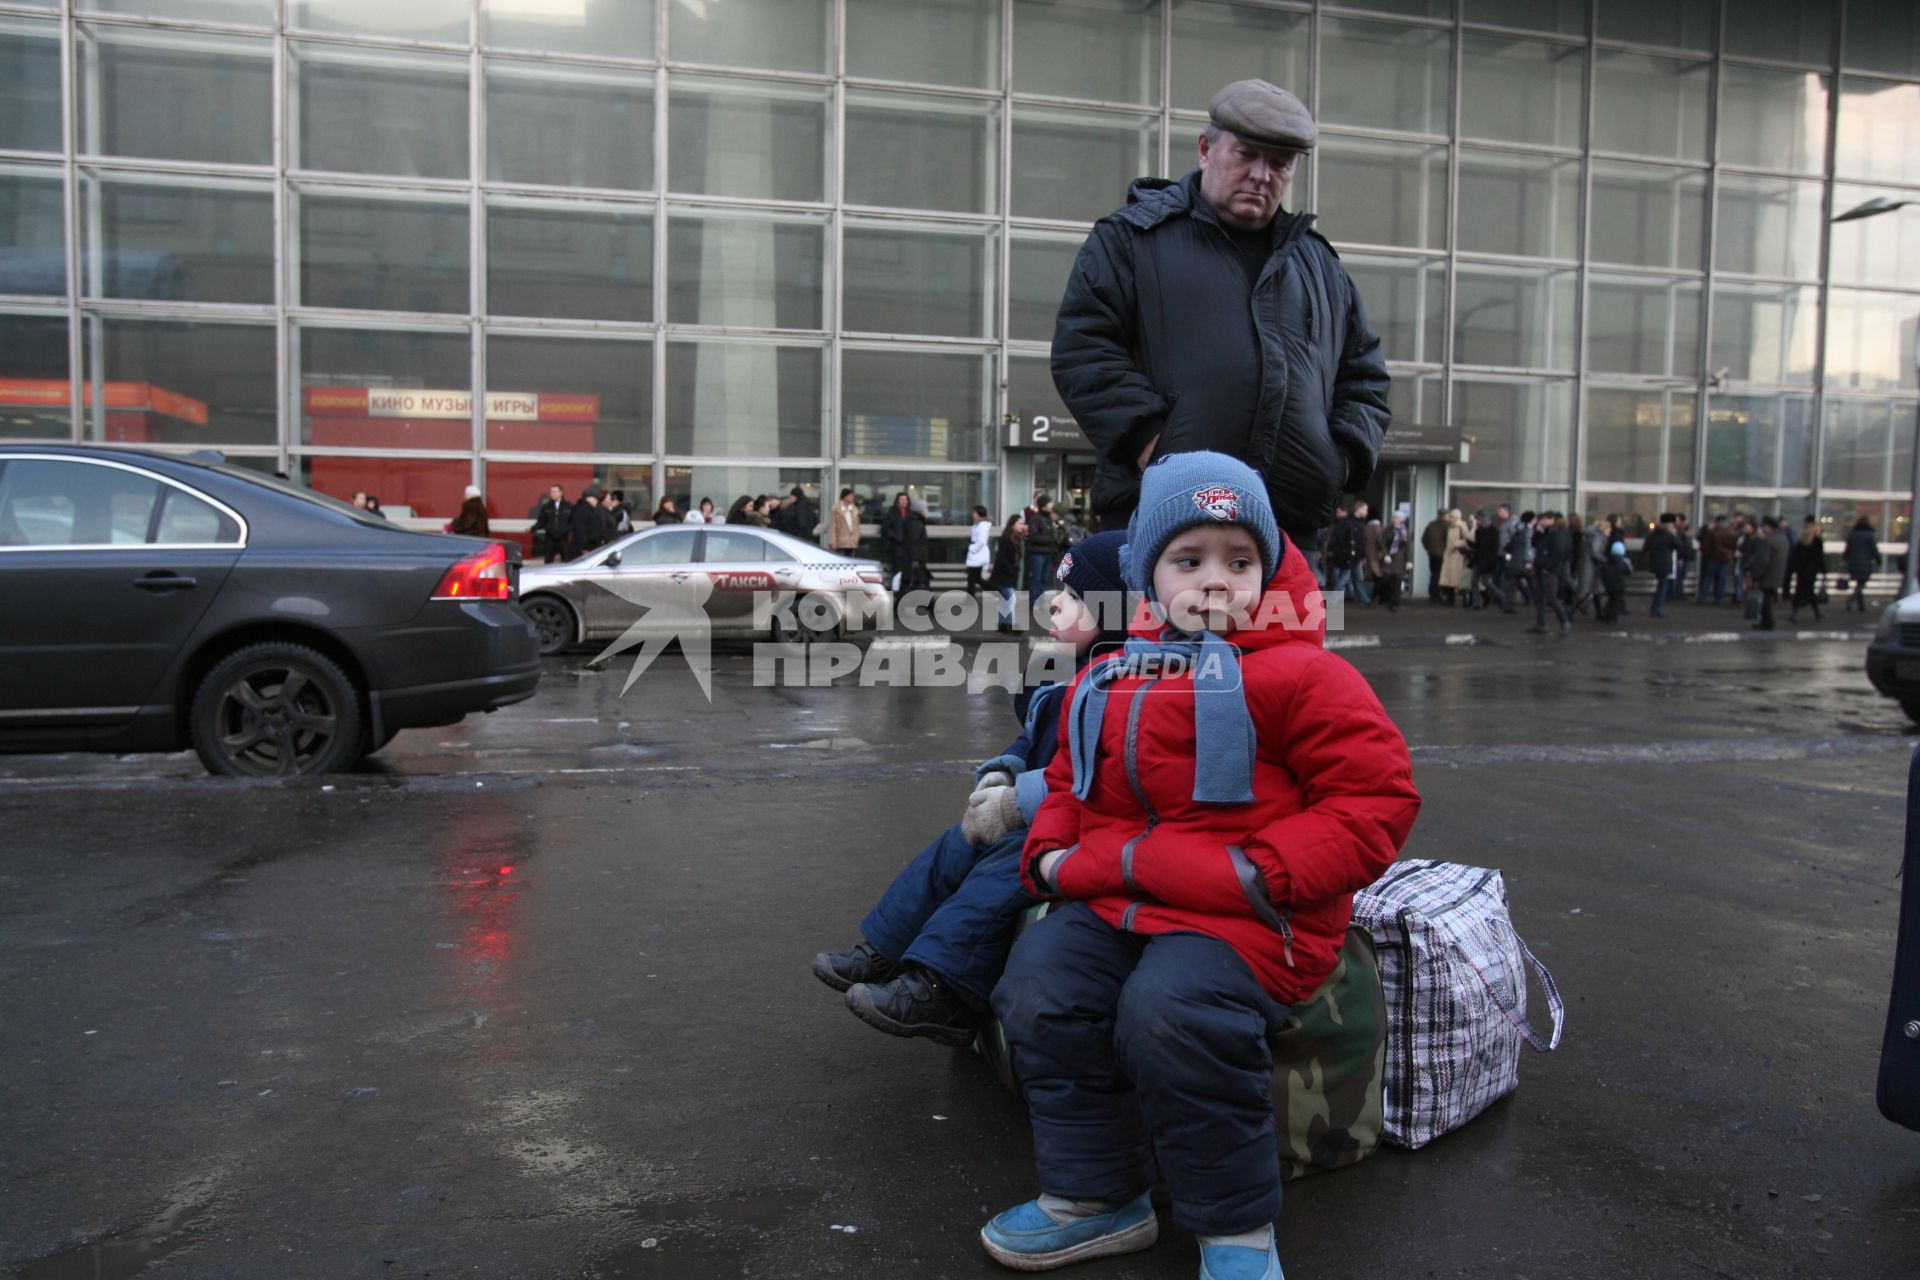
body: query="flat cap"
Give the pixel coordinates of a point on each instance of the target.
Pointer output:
(1264, 113)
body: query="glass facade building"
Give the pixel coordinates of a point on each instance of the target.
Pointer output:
(714, 247)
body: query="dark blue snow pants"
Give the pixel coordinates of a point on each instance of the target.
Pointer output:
(1134, 1047)
(953, 910)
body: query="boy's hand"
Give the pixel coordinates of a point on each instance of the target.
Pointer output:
(992, 811)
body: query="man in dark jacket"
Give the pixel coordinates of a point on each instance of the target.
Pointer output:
(1204, 316)
(1716, 560)
(1433, 541)
(799, 516)
(550, 523)
(1552, 554)
(1767, 568)
(586, 526)
(1661, 548)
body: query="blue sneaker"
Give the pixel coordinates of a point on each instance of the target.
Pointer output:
(1027, 1238)
(1230, 1262)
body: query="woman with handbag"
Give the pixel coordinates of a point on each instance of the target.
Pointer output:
(1805, 563)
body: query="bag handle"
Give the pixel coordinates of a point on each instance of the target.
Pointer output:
(1556, 1006)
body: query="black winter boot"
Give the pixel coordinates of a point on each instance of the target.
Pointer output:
(841, 969)
(916, 1003)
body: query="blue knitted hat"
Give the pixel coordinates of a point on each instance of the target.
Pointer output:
(1094, 564)
(1186, 489)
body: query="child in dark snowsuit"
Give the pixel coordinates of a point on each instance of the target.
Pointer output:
(1205, 842)
(1613, 578)
(935, 944)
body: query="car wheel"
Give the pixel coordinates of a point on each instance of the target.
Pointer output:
(554, 623)
(277, 709)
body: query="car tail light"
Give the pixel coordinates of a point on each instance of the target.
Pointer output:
(481, 576)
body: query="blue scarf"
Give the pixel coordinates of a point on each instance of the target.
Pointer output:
(1222, 729)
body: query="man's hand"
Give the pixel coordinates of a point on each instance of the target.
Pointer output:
(1146, 454)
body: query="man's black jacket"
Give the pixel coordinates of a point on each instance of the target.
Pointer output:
(1161, 334)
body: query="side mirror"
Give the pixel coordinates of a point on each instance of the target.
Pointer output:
(613, 558)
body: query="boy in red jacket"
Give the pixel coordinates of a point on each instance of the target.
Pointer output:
(1221, 790)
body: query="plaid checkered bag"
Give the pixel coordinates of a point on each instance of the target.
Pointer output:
(1456, 991)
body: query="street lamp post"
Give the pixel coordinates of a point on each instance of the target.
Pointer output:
(1911, 583)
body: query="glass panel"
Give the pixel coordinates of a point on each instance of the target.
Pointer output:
(386, 389)
(1526, 205)
(1884, 36)
(1566, 16)
(1514, 316)
(901, 280)
(252, 12)
(1633, 514)
(30, 84)
(1858, 450)
(1406, 302)
(572, 261)
(186, 519)
(604, 28)
(1385, 77)
(1638, 325)
(1678, 24)
(778, 35)
(1107, 50)
(723, 484)
(1879, 131)
(518, 488)
(749, 138)
(728, 546)
(1787, 30)
(1520, 428)
(1037, 280)
(166, 96)
(33, 241)
(1873, 251)
(76, 504)
(745, 270)
(1370, 192)
(916, 404)
(1522, 90)
(1650, 106)
(371, 111)
(1642, 327)
(1768, 226)
(1405, 8)
(1838, 516)
(745, 399)
(1030, 388)
(211, 241)
(1773, 119)
(569, 395)
(420, 245)
(934, 42)
(1076, 165)
(172, 382)
(569, 126)
(1763, 440)
(1625, 434)
(1215, 44)
(1648, 215)
(1416, 397)
(415, 20)
(1870, 339)
(909, 151)
(1764, 333)
(35, 396)
(429, 489)
(950, 495)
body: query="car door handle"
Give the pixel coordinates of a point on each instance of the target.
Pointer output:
(165, 582)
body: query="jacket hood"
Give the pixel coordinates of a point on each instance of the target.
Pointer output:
(1151, 201)
(1291, 609)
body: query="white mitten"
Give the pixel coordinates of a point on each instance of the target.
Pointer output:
(991, 813)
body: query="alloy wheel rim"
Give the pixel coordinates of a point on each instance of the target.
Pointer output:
(275, 720)
(549, 622)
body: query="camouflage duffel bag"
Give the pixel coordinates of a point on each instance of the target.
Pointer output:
(1329, 1064)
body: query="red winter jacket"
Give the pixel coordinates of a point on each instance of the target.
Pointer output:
(1274, 878)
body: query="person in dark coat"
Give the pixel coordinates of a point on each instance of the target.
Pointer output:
(1433, 541)
(1862, 557)
(1806, 562)
(1767, 568)
(799, 516)
(1005, 577)
(1552, 556)
(1040, 519)
(551, 519)
(1661, 548)
(1489, 564)
(914, 530)
(586, 524)
(1153, 351)
(933, 947)
(893, 539)
(1613, 581)
(472, 521)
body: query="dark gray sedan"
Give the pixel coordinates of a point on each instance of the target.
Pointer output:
(151, 602)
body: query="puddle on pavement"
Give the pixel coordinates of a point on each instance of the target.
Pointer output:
(700, 1237)
(126, 1252)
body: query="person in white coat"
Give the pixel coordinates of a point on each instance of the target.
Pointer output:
(979, 551)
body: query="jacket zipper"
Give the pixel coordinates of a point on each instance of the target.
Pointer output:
(1286, 938)
(1126, 919)
(1139, 791)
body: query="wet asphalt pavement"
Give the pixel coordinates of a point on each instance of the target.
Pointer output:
(529, 997)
